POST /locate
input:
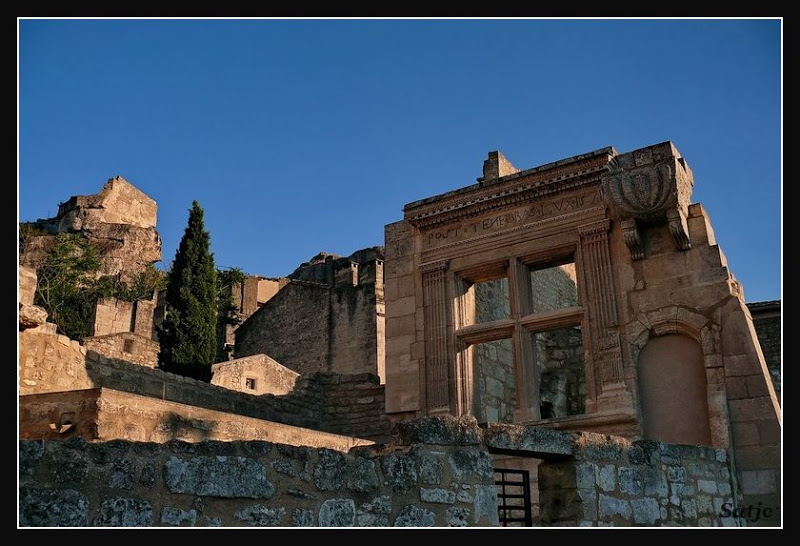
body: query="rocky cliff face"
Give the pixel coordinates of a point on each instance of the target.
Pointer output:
(119, 221)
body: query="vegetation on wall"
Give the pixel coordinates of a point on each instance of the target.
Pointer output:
(68, 286)
(188, 333)
(227, 279)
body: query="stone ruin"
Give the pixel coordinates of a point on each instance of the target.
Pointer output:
(120, 222)
(562, 346)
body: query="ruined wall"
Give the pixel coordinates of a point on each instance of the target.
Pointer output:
(29, 315)
(292, 328)
(50, 362)
(53, 363)
(694, 293)
(354, 405)
(405, 335)
(495, 389)
(112, 316)
(767, 321)
(553, 288)
(125, 346)
(119, 221)
(328, 318)
(26, 285)
(353, 334)
(651, 484)
(438, 471)
(559, 357)
(253, 484)
(257, 374)
(106, 414)
(118, 202)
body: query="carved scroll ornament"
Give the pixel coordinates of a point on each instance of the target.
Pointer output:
(649, 194)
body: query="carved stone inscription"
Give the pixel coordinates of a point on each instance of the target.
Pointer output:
(510, 219)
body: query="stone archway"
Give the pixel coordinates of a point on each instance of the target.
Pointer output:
(673, 391)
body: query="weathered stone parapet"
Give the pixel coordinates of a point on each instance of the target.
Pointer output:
(439, 430)
(530, 441)
(444, 478)
(614, 482)
(252, 484)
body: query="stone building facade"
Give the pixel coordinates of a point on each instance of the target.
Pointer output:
(329, 316)
(653, 342)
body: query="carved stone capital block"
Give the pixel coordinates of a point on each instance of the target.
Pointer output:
(651, 186)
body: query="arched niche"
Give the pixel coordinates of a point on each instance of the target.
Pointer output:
(673, 390)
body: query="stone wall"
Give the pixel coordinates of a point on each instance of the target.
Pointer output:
(354, 405)
(329, 317)
(405, 346)
(323, 401)
(354, 334)
(112, 316)
(562, 384)
(438, 471)
(253, 484)
(495, 390)
(125, 346)
(694, 293)
(652, 484)
(247, 297)
(292, 328)
(106, 414)
(589, 479)
(767, 321)
(553, 288)
(26, 287)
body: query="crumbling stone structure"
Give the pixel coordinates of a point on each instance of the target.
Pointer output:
(766, 317)
(328, 317)
(120, 222)
(438, 472)
(564, 346)
(247, 297)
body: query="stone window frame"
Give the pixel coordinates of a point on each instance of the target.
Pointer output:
(250, 383)
(521, 325)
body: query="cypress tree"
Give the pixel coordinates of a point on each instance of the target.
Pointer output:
(188, 333)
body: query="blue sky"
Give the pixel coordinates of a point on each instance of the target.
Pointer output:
(302, 136)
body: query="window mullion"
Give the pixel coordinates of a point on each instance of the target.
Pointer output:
(527, 382)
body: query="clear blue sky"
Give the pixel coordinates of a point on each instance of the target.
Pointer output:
(301, 136)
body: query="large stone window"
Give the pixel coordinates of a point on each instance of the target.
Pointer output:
(518, 330)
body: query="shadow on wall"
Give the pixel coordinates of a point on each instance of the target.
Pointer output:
(177, 427)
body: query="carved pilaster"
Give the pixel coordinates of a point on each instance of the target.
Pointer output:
(649, 186)
(601, 305)
(437, 361)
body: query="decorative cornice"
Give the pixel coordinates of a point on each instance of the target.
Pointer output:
(438, 265)
(510, 190)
